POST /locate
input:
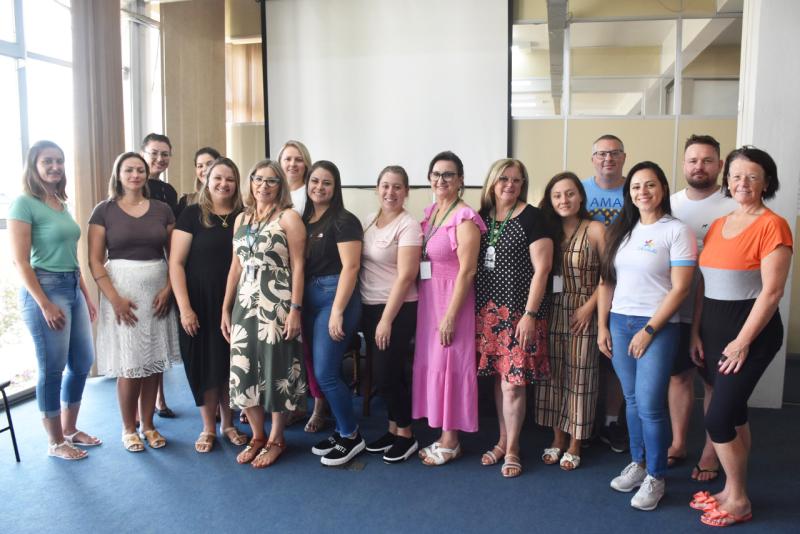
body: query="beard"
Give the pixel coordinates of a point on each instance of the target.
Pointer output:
(701, 181)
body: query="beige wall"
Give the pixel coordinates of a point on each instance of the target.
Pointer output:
(242, 19)
(537, 9)
(616, 61)
(194, 103)
(716, 61)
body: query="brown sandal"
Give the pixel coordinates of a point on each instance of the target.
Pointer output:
(251, 451)
(268, 455)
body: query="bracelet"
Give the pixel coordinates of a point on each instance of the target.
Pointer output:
(101, 277)
(531, 313)
(294, 306)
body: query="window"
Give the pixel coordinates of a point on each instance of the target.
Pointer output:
(36, 69)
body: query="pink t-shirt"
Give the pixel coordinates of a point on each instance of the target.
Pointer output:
(379, 257)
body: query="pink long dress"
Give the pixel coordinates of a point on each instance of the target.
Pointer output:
(445, 386)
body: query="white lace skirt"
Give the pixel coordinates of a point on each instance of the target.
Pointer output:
(149, 347)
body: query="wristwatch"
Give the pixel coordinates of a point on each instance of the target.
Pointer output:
(650, 330)
(296, 306)
(532, 314)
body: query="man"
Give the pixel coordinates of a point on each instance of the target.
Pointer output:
(604, 189)
(604, 202)
(156, 149)
(698, 206)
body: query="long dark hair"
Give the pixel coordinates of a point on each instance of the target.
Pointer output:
(337, 202)
(553, 219)
(623, 225)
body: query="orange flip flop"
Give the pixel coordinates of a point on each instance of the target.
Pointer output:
(721, 518)
(703, 501)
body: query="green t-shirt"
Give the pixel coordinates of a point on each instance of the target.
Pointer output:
(54, 234)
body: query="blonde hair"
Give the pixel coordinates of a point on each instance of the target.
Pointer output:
(495, 172)
(204, 196)
(32, 183)
(303, 152)
(284, 196)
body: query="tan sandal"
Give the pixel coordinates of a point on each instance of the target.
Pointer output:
(205, 442)
(132, 442)
(268, 455)
(155, 439)
(234, 436)
(251, 451)
(490, 458)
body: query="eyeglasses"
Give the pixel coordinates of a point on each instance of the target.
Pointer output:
(155, 154)
(258, 180)
(505, 180)
(447, 177)
(601, 154)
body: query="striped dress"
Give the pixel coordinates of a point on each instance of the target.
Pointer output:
(568, 400)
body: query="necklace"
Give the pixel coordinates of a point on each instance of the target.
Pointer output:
(223, 219)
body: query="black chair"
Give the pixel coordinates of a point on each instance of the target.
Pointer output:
(3, 386)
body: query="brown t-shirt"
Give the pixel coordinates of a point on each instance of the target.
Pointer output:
(134, 238)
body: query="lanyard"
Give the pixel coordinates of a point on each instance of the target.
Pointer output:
(433, 228)
(494, 235)
(252, 236)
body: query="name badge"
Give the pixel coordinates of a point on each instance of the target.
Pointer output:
(558, 284)
(488, 260)
(250, 272)
(425, 270)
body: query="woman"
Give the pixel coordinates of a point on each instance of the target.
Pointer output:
(200, 258)
(445, 383)
(136, 335)
(55, 305)
(295, 161)
(203, 159)
(646, 273)
(567, 401)
(388, 282)
(261, 312)
(511, 303)
(332, 304)
(738, 329)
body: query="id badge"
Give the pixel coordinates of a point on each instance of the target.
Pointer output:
(558, 283)
(488, 260)
(425, 270)
(250, 271)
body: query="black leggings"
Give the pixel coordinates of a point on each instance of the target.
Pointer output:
(720, 324)
(392, 367)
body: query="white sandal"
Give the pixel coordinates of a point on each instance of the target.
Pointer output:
(551, 455)
(441, 455)
(574, 459)
(70, 438)
(427, 451)
(54, 448)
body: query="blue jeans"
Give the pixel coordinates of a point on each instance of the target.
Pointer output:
(70, 347)
(644, 384)
(327, 354)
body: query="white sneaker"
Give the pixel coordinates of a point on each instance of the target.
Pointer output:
(630, 478)
(649, 494)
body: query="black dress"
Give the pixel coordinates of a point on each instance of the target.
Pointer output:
(206, 356)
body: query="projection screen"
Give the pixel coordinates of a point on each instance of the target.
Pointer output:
(368, 83)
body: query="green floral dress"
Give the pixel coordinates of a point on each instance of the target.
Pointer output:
(266, 370)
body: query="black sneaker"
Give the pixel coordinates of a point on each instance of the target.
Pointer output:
(345, 450)
(382, 444)
(401, 451)
(326, 445)
(615, 436)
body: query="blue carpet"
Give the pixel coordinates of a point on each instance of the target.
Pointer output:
(177, 490)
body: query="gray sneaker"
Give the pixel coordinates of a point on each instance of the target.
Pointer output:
(630, 478)
(649, 494)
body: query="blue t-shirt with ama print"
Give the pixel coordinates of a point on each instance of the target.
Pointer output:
(603, 204)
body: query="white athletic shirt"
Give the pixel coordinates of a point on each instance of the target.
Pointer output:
(698, 215)
(643, 264)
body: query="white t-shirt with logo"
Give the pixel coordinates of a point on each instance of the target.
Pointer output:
(643, 264)
(698, 215)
